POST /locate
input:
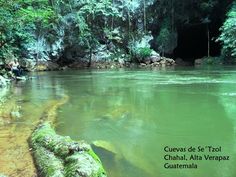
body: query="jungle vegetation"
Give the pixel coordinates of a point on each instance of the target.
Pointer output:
(72, 29)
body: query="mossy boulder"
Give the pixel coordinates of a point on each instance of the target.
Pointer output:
(209, 61)
(59, 156)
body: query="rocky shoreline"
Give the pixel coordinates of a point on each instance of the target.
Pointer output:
(162, 62)
(159, 62)
(54, 155)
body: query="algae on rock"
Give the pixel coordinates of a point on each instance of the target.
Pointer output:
(59, 156)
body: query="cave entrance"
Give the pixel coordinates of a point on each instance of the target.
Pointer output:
(193, 42)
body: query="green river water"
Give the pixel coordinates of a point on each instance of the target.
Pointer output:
(137, 113)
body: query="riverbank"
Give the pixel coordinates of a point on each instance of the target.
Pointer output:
(14, 151)
(151, 62)
(6, 76)
(18, 122)
(16, 126)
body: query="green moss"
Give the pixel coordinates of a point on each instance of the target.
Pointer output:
(92, 154)
(60, 156)
(48, 164)
(101, 172)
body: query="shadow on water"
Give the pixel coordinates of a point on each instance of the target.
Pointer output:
(114, 164)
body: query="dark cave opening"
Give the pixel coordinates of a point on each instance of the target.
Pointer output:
(193, 41)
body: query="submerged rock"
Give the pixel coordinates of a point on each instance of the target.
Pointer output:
(105, 145)
(208, 61)
(181, 62)
(198, 61)
(60, 156)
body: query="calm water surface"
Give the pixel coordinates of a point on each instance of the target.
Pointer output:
(134, 114)
(138, 113)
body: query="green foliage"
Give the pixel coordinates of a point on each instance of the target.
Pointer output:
(144, 52)
(163, 39)
(18, 19)
(212, 61)
(98, 12)
(139, 47)
(228, 34)
(32, 15)
(7, 52)
(8, 29)
(39, 24)
(207, 6)
(167, 37)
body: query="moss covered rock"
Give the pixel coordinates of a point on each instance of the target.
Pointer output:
(59, 156)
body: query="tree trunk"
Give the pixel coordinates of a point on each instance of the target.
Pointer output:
(208, 41)
(144, 16)
(172, 15)
(129, 22)
(90, 55)
(112, 18)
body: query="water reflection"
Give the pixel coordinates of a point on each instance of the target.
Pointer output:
(140, 112)
(130, 116)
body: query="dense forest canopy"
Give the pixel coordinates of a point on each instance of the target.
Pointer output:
(66, 30)
(228, 34)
